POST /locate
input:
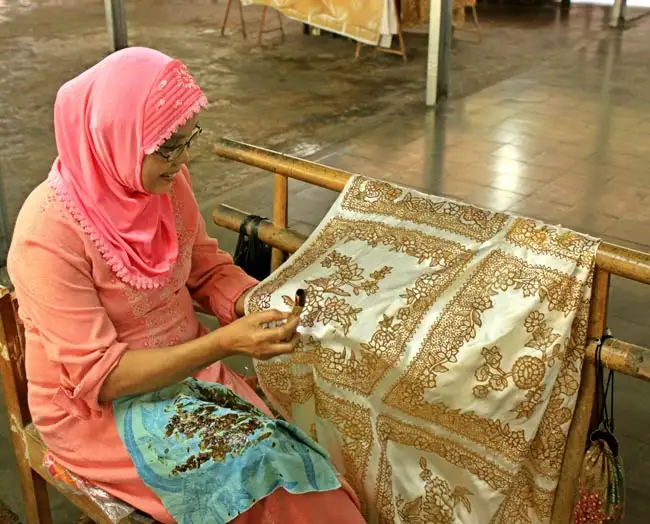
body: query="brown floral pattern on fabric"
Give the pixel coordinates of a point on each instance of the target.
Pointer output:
(528, 371)
(545, 239)
(361, 370)
(327, 294)
(458, 324)
(438, 502)
(373, 196)
(443, 372)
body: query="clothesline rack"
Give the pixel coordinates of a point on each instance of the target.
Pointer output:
(616, 355)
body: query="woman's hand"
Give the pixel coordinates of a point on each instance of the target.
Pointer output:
(141, 371)
(246, 336)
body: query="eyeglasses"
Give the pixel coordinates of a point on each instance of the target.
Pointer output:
(172, 154)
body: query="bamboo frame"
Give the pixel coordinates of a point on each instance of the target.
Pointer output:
(14, 384)
(261, 32)
(286, 240)
(611, 259)
(280, 214)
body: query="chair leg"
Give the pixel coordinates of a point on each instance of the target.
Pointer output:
(241, 18)
(85, 519)
(225, 18)
(35, 497)
(475, 17)
(402, 44)
(262, 22)
(281, 26)
(32, 486)
(357, 50)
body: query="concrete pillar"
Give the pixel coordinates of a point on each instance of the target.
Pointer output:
(116, 24)
(439, 51)
(617, 17)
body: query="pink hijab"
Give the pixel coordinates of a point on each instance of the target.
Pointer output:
(106, 120)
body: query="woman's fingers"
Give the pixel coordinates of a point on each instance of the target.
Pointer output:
(284, 332)
(280, 348)
(263, 317)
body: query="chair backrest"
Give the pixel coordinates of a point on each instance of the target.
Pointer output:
(12, 360)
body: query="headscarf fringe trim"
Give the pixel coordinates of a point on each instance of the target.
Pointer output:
(117, 266)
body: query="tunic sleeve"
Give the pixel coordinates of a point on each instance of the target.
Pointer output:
(59, 305)
(215, 281)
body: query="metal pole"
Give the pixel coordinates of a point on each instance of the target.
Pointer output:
(116, 24)
(439, 50)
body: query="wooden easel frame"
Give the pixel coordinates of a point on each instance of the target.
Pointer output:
(261, 31)
(477, 28)
(400, 51)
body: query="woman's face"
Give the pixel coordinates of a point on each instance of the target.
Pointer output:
(160, 168)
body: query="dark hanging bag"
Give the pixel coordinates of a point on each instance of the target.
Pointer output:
(601, 486)
(251, 254)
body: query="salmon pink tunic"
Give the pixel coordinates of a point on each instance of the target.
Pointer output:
(79, 320)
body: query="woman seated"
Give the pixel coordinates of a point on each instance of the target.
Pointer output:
(126, 388)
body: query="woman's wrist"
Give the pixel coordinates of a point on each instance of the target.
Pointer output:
(217, 345)
(240, 305)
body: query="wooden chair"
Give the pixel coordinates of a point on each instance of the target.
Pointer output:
(28, 446)
(458, 25)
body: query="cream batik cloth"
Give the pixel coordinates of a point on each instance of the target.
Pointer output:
(440, 356)
(367, 21)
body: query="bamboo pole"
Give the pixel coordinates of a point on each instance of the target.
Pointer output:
(280, 214)
(297, 168)
(285, 240)
(582, 418)
(617, 355)
(622, 357)
(611, 258)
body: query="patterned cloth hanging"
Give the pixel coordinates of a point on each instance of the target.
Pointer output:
(440, 356)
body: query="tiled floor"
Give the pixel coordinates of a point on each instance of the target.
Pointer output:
(567, 142)
(562, 134)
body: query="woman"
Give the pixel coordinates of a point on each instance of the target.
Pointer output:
(107, 258)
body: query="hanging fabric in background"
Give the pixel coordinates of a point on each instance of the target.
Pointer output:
(601, 487)
(251, 254)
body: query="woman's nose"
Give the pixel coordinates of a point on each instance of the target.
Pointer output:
(184, 158)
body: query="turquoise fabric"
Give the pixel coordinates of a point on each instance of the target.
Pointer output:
(209, 455)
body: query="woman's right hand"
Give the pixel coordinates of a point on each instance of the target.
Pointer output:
(246, 336)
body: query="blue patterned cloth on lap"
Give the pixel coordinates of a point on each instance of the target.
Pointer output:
(210, 455)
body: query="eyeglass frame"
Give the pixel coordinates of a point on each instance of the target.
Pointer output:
(174, 153)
